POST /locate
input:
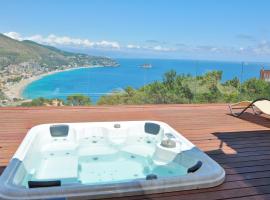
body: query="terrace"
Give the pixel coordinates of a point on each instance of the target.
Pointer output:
(240, 146)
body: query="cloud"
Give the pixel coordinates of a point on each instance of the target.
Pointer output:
(152, 41)
(14, 35)
(55, 40)
(160, 48)
(133, 46)
(180, 45)
(108, 44)
(255, 49)
(246, 37)
(67, 41)
(150, 48)
(208, 48)
(263, 48)
(156, 42)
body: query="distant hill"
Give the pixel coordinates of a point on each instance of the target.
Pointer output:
(15, 52)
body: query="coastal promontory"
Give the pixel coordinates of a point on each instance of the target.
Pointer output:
(23, 61)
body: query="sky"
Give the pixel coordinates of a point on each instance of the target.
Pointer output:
(178, 29)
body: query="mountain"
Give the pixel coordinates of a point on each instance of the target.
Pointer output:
(14, 52)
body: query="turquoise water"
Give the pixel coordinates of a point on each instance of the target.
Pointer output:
(96, 82)
(99, 160)
(102, 169)
(95, 170)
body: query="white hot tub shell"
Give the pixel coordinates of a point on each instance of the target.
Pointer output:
(106, 159)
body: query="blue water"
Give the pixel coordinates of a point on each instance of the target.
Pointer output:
(96, 82)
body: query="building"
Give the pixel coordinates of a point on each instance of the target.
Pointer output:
(265, 75)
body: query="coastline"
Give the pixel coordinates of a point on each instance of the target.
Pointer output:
(16, 90)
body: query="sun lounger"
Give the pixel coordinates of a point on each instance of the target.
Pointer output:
(258, 106)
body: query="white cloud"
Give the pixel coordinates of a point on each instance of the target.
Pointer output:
(246, 37)
(55, 40)
(65, 41)
(151, 48)
(132, 46)
(68, 41)
(257, 48)
(161, 48)
(263, 48)
(14, 35)
(109, 44)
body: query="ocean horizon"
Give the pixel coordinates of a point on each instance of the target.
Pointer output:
(95, 82)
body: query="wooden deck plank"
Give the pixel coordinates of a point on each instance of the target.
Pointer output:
(241, 146)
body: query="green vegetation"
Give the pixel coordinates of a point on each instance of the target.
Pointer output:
(15, 80)
(175, 88)
(15, 52)
(37, 102)
(2, 94)
(78, 100)
(72, 100)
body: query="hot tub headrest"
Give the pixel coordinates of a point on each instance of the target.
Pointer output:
(151, 128)
(59, 130)
(195, 167)
(37, 184)
(151, 177)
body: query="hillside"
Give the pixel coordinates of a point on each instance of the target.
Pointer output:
(23, 60)
(16, 52)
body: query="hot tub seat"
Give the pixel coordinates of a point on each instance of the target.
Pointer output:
(41, 156)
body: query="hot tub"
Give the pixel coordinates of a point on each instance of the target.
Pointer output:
(106, 159)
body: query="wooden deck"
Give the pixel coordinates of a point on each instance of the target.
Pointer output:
(241, 146)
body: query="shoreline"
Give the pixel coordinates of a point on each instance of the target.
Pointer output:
(16, 90)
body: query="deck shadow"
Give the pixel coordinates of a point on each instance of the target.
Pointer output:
(248, 168)
(2, 168)
(262, 120)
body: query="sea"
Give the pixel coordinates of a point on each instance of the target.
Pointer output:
(95, 82)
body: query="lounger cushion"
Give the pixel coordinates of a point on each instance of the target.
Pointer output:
(263, 106)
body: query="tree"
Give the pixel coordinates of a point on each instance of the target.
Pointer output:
(169, 78)
(215, 94)
(36, 102)
(233, 82)
(256, 88)
(129, 91)
(156, 92)
(176, 88)
(212, 77)
(78, 100)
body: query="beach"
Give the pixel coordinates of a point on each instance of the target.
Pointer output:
(16, 90)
